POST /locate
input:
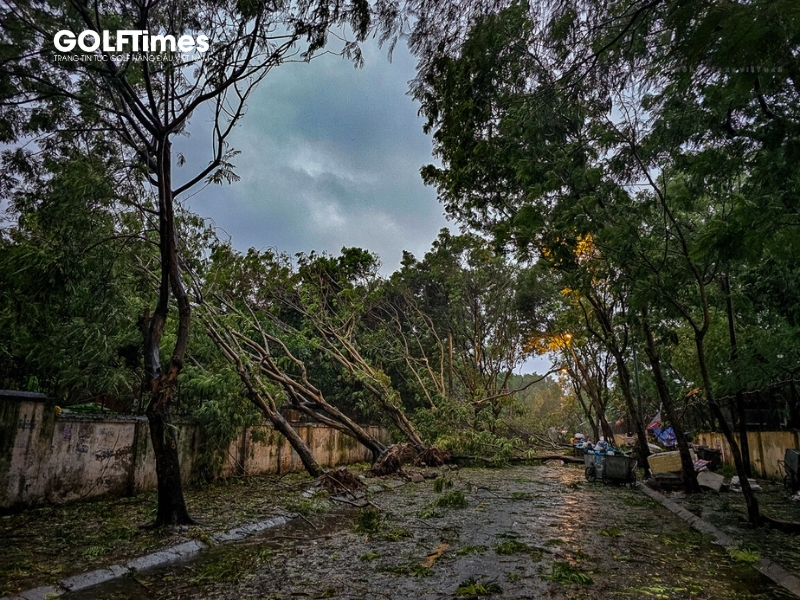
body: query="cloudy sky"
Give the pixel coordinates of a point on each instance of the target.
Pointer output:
(330, 157)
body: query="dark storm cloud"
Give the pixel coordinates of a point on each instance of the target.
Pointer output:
(330, 158)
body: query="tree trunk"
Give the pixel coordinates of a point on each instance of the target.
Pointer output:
(594, 397)
(404, 425)
(171, 503)
(749, 496)
(638, 423)
(687, 465)
(741, 417)
(334, 418)
(588, 412)
(298, 444)
(164, 436)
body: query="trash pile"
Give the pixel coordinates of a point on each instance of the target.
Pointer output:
(604, 462)
(609, 464)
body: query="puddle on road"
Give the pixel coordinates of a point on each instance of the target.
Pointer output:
(526, 532)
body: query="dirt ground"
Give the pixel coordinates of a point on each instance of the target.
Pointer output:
(727, 512)
(521, 532)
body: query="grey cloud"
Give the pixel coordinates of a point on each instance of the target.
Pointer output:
(330, 158)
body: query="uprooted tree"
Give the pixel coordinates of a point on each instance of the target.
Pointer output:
(238, 310)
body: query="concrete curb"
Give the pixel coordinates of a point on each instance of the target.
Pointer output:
(165, 556)
(155, 559)
(774, 571)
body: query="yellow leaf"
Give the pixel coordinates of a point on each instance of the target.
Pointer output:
(433, 556)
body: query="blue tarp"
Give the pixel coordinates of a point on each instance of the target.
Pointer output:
(666, 436)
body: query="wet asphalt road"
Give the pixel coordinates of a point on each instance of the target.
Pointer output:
(525, 532)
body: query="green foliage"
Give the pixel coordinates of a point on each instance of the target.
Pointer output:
(368, 520)
(472, 587)
(483, 444)
(744, 554)
(513, 546)
(368, 556)
(564, 572)
(454, 499)
(442, 483)
(223, 413)
(653, 181)
(304, 506)
(467, 550)
(396, 534)
(230, 564)
(70, 287)
(611, 532)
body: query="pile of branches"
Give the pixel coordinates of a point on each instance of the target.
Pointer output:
(340, 481)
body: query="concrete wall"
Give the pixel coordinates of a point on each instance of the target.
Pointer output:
(45, 458)
(766, 449)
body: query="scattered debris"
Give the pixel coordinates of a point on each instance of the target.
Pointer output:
(472, 588)
(367, 556)
(743, 553)
(339, 481)
(516, 547)
(369, 520)
(710, 480)
(432, 457)
(392, 460)
(667, 462)
(434, 556)
(611, 532)
(454, 499)
(712, 455)
(736, 486)
(416, 477)
(566, 573)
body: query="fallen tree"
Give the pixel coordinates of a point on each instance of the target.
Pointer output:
(254, 360)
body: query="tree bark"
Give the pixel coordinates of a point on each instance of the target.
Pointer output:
(750, 500)
(334, 418)
(163, 435)
(625, 384)
(588, 412)
(687, 465)
(404, 425)
(298, 444)
(741, 417)
(610, 340)
(267, 407)
(594, 397)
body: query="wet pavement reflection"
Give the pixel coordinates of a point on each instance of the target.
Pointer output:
(525, 532)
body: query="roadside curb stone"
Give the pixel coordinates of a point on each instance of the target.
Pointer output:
(148, 561)
(158, 558)
(773, 570)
